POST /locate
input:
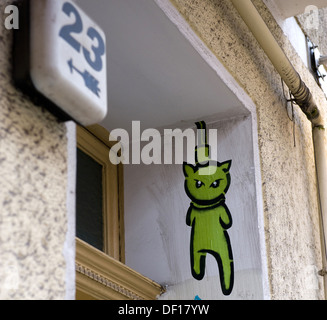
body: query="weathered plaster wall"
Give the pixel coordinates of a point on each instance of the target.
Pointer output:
(316, 31)
(33, 170)
(288, 171)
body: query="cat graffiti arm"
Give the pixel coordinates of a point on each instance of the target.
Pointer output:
(189, 216)
(225, 219)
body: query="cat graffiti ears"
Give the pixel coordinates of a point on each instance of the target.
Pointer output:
(206, 184)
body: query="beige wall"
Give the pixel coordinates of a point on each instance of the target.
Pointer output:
(318, 35)
(288, 172)
(33, 170)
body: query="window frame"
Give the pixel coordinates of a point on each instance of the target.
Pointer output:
(113, 219)
(102, 275)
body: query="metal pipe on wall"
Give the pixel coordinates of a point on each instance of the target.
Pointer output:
(267, 41)
(320, 141)
(302, 97)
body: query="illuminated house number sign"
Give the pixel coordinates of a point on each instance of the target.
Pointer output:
(68, 59)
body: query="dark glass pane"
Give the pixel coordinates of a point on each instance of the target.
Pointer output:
(89, 213)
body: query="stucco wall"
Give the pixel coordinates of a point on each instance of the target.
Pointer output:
(288, 171)
(316, 29)
(33, 170)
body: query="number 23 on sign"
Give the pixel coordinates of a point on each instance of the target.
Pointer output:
(67, 31)
(71, 47)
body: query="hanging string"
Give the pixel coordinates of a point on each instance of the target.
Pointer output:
(292, 118)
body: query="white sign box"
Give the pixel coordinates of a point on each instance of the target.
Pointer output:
(68, 59)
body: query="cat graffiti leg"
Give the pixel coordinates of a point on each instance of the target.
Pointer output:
(226, 271)
(225, 266)
(198, 264)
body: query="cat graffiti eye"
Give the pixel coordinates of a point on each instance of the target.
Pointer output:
(199, 184)
(216, 183)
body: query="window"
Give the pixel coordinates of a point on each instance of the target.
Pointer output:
(100, 269)
(99, 201)
(89, 200)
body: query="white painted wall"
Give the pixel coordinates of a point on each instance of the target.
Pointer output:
(155, 75)
(157, 237)
(291, 29)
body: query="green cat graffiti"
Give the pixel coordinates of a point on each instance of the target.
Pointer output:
(206, 184)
